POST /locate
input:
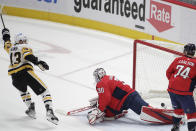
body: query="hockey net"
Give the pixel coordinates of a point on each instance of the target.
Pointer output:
(150, 62)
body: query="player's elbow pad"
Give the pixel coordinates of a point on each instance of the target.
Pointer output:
(32, 59)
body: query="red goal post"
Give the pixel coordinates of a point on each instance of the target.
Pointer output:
(158, 49)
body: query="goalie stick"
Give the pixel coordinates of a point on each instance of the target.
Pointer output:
(72, 112)
(75, 111)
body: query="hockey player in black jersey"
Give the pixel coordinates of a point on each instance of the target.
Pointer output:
(22, 73)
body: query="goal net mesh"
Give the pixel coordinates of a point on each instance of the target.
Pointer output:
(150, 62)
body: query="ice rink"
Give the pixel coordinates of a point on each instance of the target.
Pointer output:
(73, 54)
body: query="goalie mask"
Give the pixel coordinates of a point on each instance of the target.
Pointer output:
(189, 50)
(20, 39)
(98, 74)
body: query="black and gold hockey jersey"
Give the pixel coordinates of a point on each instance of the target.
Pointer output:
(17, 55)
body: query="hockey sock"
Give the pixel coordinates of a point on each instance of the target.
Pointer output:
(26, 97)
(46, 97)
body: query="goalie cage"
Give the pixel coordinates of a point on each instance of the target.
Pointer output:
(150, 62)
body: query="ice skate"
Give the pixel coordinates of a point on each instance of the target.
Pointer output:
(192, 129)
(175, 127)
(50, 115)
(31, 111)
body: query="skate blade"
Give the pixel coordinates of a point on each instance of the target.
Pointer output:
(31, 116)
(53, 121)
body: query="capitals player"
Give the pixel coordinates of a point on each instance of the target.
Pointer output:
(114, 97)
(22, 73)
(182, 80)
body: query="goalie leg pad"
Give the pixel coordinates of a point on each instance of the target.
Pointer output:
(158, 116)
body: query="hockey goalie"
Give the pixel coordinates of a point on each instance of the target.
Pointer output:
(115, 98)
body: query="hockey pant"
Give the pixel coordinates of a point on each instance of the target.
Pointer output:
(26, 78)
(183, 104)
(134, 102)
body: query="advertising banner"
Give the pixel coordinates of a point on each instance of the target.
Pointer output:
(155, 17)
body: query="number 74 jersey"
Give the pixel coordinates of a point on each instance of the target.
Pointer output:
(182, 76)
(17, 55)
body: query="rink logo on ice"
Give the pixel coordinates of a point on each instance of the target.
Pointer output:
(126, 8)
(49, 1)
(160, 16)
(100, 90)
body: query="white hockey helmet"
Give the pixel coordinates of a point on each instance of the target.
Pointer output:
(98, 74)
(20, 39)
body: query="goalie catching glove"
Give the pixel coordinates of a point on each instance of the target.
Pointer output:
(95, 115)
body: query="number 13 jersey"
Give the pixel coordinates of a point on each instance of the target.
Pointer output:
(17, 55)
(182, 76)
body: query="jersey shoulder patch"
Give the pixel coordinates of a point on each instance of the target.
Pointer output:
(26, 51)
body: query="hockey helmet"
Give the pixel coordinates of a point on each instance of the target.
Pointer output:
(20, 39)
(98, 74)
(189, 49)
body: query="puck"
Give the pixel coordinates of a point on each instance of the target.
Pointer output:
(163, 104)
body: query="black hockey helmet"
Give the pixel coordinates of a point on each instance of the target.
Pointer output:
(189, 49)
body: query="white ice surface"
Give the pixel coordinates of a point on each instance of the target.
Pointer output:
(73, 54)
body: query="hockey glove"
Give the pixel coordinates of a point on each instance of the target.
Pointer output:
(95, 115)
(6, 34)
(43, 65)
(94, 102)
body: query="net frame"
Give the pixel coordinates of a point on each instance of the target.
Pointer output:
(154, 94)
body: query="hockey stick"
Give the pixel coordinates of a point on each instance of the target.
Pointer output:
(1, 12)
(79, 110)
(2, 21)
(75, 111)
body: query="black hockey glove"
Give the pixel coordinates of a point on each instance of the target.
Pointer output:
(6, 34)
(43, 65)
